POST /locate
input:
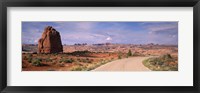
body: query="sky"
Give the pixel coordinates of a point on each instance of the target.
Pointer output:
(105, 32)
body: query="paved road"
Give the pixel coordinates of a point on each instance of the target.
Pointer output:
(127, 64)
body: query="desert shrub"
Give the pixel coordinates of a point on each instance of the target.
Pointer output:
(48, 60)
(174, 68)
(129, 53)
(55, 54)
(79, 68)
(69, 60)
(61, 60)
(107, 60)
(29, 58)
(162, 63)
(37, 62)
(24, 58)
(80, 52)
(119, 57)
(66, 60)
(95, 65)
(88, 67)
(103, 62)
(91, 67)
(29, 55)
(167, 56)
(86, 60)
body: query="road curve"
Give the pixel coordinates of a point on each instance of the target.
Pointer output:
(127, 64)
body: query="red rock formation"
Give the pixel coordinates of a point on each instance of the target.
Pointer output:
(50, 42)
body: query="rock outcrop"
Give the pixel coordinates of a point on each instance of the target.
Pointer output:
(50, 42)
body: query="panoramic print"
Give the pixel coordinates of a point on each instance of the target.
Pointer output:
(99, 46)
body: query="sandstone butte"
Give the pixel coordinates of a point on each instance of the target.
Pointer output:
(50, 42)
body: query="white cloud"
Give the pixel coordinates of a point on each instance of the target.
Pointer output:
(108, 38)
(36, 41)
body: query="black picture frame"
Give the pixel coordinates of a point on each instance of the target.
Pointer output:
(99, 3)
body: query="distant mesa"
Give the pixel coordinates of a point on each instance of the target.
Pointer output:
(50, 42)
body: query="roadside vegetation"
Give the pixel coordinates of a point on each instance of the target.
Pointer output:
(75, 61)
(162, 63)
(89, 67)
(36, 62)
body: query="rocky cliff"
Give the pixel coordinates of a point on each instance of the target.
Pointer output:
(50, 42)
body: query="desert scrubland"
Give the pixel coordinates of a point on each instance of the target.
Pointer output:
(83, 57)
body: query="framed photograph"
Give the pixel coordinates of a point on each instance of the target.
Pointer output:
(134, 46)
